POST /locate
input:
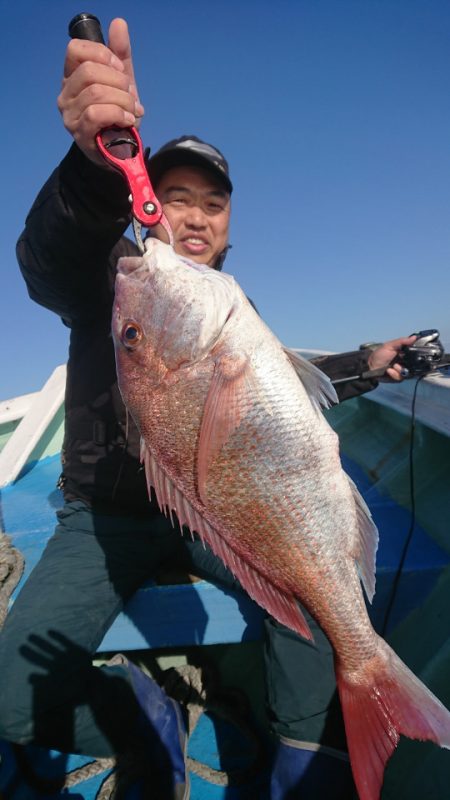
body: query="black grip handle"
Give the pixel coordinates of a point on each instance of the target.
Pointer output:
(86, 26)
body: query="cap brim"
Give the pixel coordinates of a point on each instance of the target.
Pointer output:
(162, 162)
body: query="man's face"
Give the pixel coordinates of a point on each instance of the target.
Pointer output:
(198, 210)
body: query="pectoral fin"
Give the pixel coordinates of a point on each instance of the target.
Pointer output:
(230, 396)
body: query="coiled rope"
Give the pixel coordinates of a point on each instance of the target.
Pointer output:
(198, 689)
(12, 565)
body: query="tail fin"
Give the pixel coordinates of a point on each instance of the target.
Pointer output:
(380, 707)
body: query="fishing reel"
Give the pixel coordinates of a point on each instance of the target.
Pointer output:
(424, 355)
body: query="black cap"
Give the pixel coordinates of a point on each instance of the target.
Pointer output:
(189, 150)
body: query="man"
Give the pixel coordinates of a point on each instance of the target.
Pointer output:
(109, 538)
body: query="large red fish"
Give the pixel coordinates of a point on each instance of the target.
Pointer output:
(237, 446)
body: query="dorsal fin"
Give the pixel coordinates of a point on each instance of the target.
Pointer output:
(280, 605)
(318, 385)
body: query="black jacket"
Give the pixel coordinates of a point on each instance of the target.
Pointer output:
(68, 253)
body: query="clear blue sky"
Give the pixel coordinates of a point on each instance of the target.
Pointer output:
(335, 118)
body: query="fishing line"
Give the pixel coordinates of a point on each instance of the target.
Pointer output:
(412, 525)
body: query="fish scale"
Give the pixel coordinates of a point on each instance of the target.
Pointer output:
(234, 443)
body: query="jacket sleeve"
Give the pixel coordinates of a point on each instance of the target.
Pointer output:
(345, 365)
(73, 236)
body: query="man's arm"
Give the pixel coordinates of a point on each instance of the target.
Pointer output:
(346, 365)
(70, 241)
(70, 236)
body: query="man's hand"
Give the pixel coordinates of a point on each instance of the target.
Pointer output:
(386, 356)
(99, 88)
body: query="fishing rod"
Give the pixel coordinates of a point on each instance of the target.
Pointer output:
(425, 355)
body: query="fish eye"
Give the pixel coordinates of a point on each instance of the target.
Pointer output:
(132, 334)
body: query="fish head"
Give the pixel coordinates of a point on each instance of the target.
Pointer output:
(168, 312)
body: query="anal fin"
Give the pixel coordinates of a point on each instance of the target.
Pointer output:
(366, 544)
(279, 604)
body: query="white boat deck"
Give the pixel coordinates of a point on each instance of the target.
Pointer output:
(432, 400)
(36, 412)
